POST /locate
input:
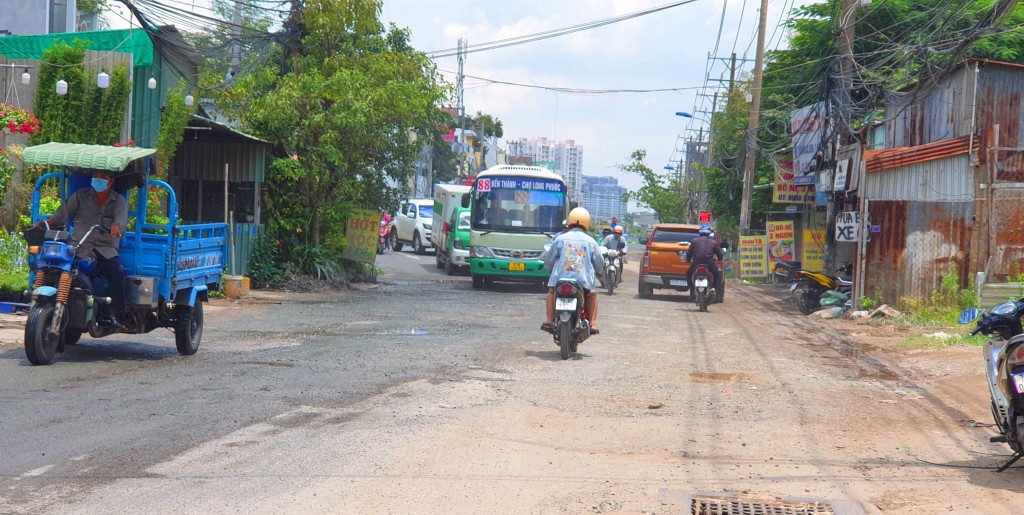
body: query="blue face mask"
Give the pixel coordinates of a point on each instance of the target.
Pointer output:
(100, 185)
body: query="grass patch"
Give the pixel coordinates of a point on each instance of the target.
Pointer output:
(13, 281)
(940, 342)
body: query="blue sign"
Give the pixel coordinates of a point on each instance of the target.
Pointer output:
(876, 228)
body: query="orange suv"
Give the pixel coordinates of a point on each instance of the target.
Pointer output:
(664, 264)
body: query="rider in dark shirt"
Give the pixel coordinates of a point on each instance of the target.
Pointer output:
(704, 250)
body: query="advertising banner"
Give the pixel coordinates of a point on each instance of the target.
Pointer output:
(786, 191)
(814, 250)
(808, 128)
(781, 242)
(753, 257)
(361, 234)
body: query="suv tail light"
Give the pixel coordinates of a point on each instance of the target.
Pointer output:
(647, 261)
(565, 289)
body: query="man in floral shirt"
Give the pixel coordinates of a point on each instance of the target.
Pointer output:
(574, 255)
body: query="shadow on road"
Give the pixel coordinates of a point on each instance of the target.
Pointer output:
(92, 351)
(555, 355)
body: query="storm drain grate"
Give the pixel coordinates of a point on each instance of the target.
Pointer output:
(719, 506)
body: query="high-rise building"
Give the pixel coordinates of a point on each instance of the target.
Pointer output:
(566, 157)
(602, 196)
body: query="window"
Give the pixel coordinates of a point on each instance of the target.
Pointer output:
(426, 211)
(662, 235)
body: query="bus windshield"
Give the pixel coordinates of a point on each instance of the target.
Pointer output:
(518, 204)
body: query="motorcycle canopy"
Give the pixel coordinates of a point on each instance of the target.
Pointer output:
(85, 157)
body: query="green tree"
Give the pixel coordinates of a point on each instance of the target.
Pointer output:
(660, 193)
(354, 112)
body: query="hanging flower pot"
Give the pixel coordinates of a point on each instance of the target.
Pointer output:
(16, 120)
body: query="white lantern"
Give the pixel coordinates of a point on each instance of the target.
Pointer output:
(189, 100)
(62, 87)
(152, 83)
(26, 78)
(103, 80)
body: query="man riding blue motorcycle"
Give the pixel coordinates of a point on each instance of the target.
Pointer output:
(704, 250)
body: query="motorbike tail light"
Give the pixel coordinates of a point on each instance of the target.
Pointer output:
(1015, 357)
(565, 289)
(797, 273)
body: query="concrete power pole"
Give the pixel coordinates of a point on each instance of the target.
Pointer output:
(755, 112)
(236, 49)
(461, 108)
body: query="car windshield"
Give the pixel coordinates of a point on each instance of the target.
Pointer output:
(673, 236)
(518, 204)
(426, 212)
(464, 220)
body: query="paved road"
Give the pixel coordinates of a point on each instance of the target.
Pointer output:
(422, 395)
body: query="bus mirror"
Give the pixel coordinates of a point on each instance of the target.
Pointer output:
(573, 204)
(465, 200)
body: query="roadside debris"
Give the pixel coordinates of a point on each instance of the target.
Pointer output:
(885, 310)
(656, 405)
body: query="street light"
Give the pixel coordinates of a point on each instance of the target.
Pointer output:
(684, 114)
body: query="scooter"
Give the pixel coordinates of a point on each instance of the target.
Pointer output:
(1004, 370)
(702, 278)
(382, 237)
(612, 269)
(784, 272)
(571, 326)
(815, 285)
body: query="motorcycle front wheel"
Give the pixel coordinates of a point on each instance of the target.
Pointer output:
(809, 301)
(37, 348)
(565, 339)
(610, 283)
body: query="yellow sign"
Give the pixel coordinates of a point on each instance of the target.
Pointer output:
(814, 250)
(361, 231)
(785, 191)
(781, 241)
(753, 257)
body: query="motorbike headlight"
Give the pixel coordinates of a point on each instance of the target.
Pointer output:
(52, 249)
(480, 252)
(1006, 308)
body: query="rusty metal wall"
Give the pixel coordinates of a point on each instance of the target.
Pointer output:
(943, 111)
(999, 103)
(917, 243)
(940, 180)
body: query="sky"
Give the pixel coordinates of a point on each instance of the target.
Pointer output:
(669, 49)
(684, 48)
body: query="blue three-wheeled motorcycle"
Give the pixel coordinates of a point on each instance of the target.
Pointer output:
(169, 268)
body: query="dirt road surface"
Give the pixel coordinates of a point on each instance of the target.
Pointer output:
(667, 406)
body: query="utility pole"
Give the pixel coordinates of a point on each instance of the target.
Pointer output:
(461, 109)
(711, 140)
(732, 70)
(755, 112)
(236, 49)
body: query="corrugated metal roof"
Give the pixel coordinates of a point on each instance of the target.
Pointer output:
(948, 179)
(879, 160)
(93, 157)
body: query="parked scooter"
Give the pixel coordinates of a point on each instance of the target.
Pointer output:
(703, 286)
(612, 269)
(1004, 370)
(815, 284)
(382, 237)
(784, 272)
(571, 326)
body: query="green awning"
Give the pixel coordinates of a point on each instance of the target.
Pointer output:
(130, 41)
(93, 157)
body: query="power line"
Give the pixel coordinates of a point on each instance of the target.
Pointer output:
(539, 36)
